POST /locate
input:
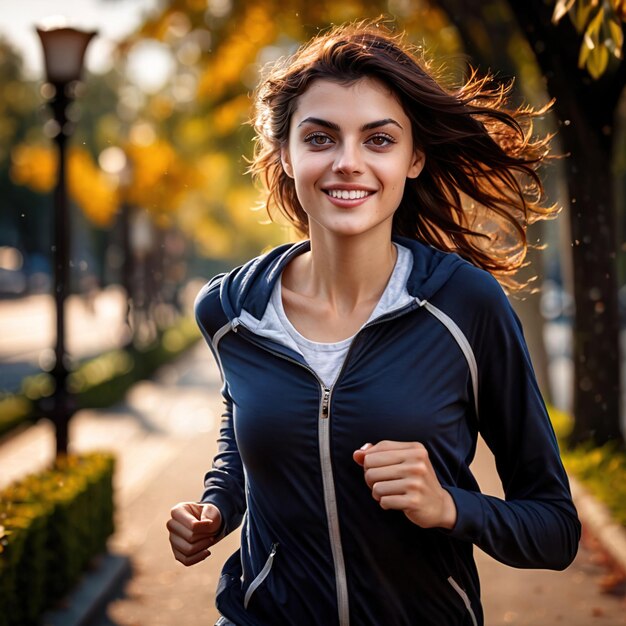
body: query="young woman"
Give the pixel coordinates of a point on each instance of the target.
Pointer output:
(360, 364)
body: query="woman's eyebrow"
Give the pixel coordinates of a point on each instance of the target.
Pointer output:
(319, 122)
(379, 123)
(369, 126)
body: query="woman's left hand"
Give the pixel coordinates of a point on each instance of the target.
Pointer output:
(401, 477)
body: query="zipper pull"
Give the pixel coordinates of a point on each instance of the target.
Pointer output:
(325, 402)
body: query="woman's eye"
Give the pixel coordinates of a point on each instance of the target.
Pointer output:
(317, 140)
(380, 141)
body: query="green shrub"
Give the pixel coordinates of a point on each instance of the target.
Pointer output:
(22, 578)
(103, 380)
(51, 525)
(562, 423)
(602, 470)
(14, 409)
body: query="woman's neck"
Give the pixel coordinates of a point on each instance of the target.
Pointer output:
(345, 272)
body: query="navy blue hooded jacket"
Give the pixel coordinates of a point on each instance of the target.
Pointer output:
(316, 548)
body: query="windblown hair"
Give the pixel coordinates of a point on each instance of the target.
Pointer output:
(479, 188)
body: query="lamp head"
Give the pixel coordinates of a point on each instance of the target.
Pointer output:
(64, 51)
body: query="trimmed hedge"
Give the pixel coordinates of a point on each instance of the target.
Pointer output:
(101, 381)
(51, 525)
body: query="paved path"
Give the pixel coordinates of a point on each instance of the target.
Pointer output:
(164, 437)
(28, 331)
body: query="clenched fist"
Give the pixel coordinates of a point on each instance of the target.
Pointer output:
(193, 530)
(401, 477)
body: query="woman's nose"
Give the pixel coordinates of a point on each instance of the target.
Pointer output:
(348, 159)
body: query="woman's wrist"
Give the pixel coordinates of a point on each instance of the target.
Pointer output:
(449, 512)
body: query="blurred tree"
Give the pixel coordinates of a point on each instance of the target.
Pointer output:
(20, 209)
(161, 174)
(587, 85)
(219, 48)
(587, 104)
(18, 100)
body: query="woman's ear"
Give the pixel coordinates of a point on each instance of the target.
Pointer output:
(417, 165)
(285, 159)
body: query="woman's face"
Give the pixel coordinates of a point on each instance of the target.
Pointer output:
(350, 151)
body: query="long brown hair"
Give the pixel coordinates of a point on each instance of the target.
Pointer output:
(479, 188)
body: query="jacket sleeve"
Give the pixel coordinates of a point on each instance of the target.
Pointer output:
(224, 483)
(536, 525)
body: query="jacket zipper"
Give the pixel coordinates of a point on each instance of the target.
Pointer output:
(328, 481)
(330, 500)
(325, 401)
(465, 598)
(261, 576)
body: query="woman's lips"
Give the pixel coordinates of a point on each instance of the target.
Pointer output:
(347, 197)
(348, 194)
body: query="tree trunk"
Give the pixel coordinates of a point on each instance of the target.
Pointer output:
(587, 110)
(596, 331)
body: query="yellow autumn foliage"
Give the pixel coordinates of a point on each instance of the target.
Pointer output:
(229, 116)
(91, 189)
(215, 168)
(160, 107)
(160, 177)
(602, 27)
(35, 166)
(193, 132)
(214, 239)
(237, 51)
(240, 201)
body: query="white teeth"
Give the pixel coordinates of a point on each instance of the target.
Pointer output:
(344, 194)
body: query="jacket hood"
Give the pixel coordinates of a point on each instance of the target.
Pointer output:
(250, 286)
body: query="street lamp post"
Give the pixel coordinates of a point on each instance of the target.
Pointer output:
(64, 51)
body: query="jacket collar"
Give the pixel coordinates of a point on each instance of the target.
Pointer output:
(250, 286)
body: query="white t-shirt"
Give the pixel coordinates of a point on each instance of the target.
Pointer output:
(326, 359)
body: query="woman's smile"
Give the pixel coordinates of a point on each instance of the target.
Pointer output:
(347, 196)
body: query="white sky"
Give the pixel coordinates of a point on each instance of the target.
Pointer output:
(113, 19)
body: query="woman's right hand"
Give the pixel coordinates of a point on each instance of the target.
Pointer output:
(193, 529)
